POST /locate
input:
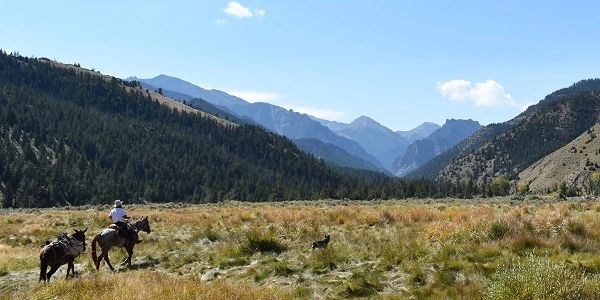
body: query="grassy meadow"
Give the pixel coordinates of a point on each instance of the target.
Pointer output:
(450, 249)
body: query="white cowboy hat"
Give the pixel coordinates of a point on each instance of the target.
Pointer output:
(118, 203)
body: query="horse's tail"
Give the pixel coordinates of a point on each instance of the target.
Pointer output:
(43, 266)
(94, 255)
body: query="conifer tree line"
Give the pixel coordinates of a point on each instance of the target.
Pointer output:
(72, 138)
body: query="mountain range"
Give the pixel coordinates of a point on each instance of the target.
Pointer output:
(508, 148)
(72, 136)
(364, 140)
(459, 151)
(421, 151)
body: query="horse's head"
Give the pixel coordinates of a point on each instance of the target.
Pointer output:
(143, 224)
(80, 236)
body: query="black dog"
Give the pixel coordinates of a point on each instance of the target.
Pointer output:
(322, 244)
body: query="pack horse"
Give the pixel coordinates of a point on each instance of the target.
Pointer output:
(62, 251)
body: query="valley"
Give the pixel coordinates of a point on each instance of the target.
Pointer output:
(422, 248)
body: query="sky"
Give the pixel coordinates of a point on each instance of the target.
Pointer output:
(399, 62)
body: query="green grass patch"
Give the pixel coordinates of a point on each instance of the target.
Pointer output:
(361, 285)
(540, 278)
(263, 242)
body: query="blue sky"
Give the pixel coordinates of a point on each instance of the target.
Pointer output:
(398, 62)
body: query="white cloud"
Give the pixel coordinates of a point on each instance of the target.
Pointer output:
(237, 10)
(487, 93)
(326, 114)
(255, 96)
(221, 22)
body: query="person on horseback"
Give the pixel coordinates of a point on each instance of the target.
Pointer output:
(118, 216)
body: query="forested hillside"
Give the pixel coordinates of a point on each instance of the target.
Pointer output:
(486, 134)
(333, 154)
(69, 136)
(534, 136)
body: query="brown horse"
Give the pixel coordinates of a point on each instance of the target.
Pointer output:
(64, 250)
(109, 238)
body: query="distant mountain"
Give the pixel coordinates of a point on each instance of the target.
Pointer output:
(183, 87)
(421, 151)
(532, 137)
(420, 132)
(431, 169)
(274, 118)
(573, 164)
(200, 104)
(333, 154)
(376, 139)
(296, 126)
(491, 132)
(333, 125)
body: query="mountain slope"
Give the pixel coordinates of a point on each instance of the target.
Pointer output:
(434, 167)
(71, 136)
(573, 164)
(420, 132)
(333, 154)
(375, 139)
(296, 126)
(200, 104)
(274, 118)
(187, 88)
(533, 137)
(422, 151)
(333, 125)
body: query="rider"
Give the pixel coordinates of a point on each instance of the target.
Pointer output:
(119, 217)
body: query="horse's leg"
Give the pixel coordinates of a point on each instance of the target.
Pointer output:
(73, 268)
(43, 270)
(99, 260)
(53, 269)
(68, 270)
(70, 267)
(107, 260)
(129, 249)
(128, 255)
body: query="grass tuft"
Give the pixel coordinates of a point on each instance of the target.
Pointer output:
(262, 242)
(361, 285)
(540, 278)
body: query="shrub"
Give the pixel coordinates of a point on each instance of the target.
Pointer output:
(539, 278)
(3, 271)
(263, 242)
(526, 242)
(576, 228)
(500, 186)
(498, 230)
(523, 188)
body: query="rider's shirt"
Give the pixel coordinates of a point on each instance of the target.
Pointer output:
(117, 214)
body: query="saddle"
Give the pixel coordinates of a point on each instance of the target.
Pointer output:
(70, 245)
(125, 230)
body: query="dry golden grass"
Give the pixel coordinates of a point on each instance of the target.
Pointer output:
(146, 285)
(396, 249)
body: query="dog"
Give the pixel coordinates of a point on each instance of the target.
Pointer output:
(322, 244)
